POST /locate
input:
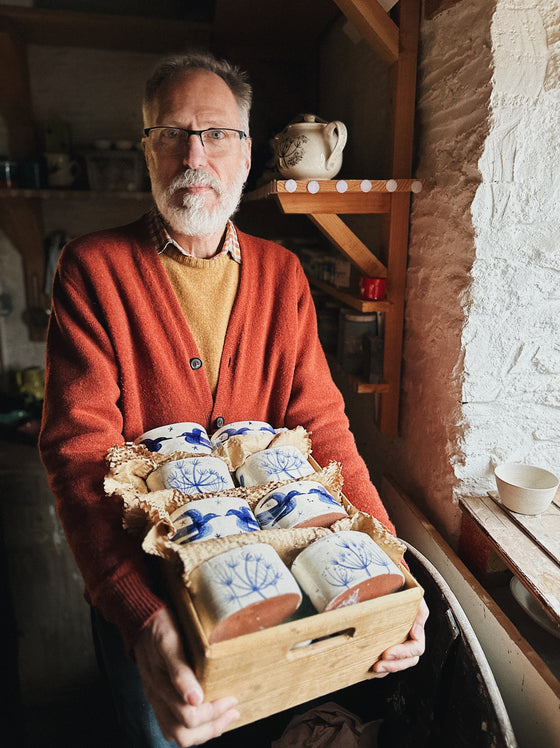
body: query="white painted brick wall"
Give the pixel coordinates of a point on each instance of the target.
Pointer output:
(481, 357)
(511, 338)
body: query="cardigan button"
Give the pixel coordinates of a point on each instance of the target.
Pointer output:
(219, 422)
(195, 363)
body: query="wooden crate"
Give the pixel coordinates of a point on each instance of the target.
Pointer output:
(267, 670)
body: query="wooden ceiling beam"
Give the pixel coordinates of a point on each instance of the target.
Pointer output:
(375, 25)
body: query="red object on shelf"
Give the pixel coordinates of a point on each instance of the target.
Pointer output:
(373, 289)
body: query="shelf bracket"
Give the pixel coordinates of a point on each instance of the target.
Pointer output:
(374, 25)
(348, 243)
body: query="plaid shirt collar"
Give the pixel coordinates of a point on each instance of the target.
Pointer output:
(161, 239)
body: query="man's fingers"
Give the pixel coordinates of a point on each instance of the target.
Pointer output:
(204, 722)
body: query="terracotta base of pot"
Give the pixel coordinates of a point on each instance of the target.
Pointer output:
(255, 617)
(324, 520)
(383, 584)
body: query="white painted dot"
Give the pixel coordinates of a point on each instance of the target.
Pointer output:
(391, 185)
(291, 185)
(313, 187)
(416, 186)
(341, 186)
(366, 185)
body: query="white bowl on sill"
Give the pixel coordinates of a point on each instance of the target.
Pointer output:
(525, 489)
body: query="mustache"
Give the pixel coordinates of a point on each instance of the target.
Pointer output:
(195, 177)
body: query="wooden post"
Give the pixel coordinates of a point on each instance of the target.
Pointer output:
(403, 75)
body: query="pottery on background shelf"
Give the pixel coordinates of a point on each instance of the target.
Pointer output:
(303, 503)
(191, 475)
(243, 590)
(273, 464)
(345, 568)
(309, 148)
(240, 428)
(213, 517)
(525, 489)
(176, 437)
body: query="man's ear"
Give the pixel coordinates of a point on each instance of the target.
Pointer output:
(249, 145)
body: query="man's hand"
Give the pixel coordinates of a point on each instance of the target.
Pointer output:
(406, 655)
(172, 688)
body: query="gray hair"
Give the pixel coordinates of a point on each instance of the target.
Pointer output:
(171, 67)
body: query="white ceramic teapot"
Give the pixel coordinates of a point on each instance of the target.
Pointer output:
(310, 148)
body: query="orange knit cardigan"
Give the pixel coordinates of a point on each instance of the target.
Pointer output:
(120, 361)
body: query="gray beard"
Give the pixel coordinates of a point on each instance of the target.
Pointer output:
(193, 218)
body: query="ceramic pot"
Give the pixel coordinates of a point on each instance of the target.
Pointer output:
(62, 171)
(273, 464)
(240, 428)
(244, 590)
(303, 503)
(176, 437)
(213, 517)
(310, 148)
(525, 489)
(192, 475)
(345, 568)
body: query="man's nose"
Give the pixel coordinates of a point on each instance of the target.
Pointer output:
(195, 153)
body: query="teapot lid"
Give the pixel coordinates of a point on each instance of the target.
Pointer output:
(308, 118)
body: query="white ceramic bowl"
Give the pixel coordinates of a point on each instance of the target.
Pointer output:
(525, 489)
(240, 428)
(345, 568)
(213, 517)
(176, 437)
(273, 464)
(303, 503)
(244, 590)
(192, 475)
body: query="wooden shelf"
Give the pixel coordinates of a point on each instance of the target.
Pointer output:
(343, 196)
(356, 384)
(352, 301)
(533, 559)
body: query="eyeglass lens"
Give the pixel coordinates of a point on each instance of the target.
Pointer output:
(174, 141)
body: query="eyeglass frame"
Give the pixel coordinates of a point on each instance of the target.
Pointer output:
(147, 130)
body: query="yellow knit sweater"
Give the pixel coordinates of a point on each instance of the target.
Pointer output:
(206, 290)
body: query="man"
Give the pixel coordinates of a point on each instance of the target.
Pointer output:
(179, 317)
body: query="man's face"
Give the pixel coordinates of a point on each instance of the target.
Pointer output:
(196, 191)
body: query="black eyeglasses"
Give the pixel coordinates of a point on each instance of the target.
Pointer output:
(173, 140)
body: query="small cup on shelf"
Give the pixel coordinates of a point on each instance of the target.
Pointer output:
(373, 289)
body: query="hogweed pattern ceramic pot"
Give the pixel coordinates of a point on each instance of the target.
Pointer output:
(213, 517)
(243, 590)
(240, 428)
(345, 568)
(192, 475)
(177, 437)
(273, 464)
(303, 503)
(310, 148)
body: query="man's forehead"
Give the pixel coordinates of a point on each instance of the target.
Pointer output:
(203, 91)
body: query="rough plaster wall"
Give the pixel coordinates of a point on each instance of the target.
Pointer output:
(511, 339)
(453, 95)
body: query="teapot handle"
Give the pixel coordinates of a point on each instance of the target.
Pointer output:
(341, 140)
